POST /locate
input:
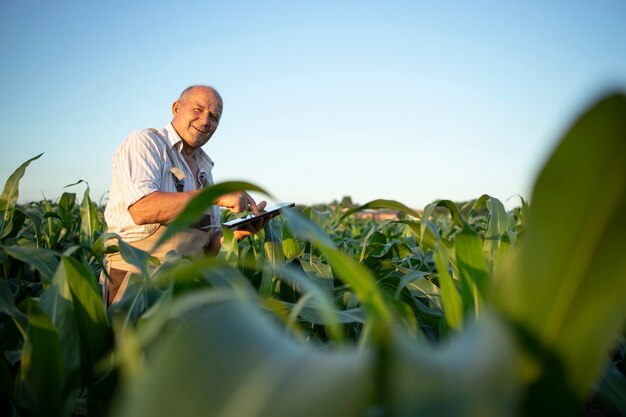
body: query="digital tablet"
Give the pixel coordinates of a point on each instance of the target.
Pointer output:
(269, 212)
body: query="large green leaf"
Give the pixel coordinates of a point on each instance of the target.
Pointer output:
(44, 260)
(320, 309)
(429, 233)
(566, 287)
(291, 246)
(457, 217)
(89, 221)
(96, 336)
(254, 371)
(497, 226)
(36, 218)
(317, 216)
(427, 289)
(65, 209)
(384, 204)
(9, 196)
(8, 307)
(93, 323)
(475, 374)
(274, 256)
(320, 272)
(356, 275)
(134, 256)
(56, 302)
(450, 297)
(201, 202)
(39, 382)
(473, 274)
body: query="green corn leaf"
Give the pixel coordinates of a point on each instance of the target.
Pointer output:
(137, 257)
(40, 378)
(412, 277)
(305, 229)
(274, 256)
(134, 256)
(352, 273)
(8, 307)
(93, 323)
(254, 371)
(10, 193)
(480, 201)
(311, 312)
(498, 225)
(475, 374)
(56, 302)
(14, 226)
(291, 246)
(457, 217)
(566, 287)
(67, 204)
(201, 202)
(384, 204)
(424, 230)
(369, 234)
(89, 221)
(450, 297)
(429, 235)
(229, 250)
(44, 260)
(320, 272)
(473, 273)
(325, 312)
(155, 321)
(316, 216)
(266, 289)
(36, 218)
(504, 248)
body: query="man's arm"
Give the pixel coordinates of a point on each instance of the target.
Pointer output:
(160, 207)
(163, 207)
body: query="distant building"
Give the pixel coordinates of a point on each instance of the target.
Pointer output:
(379, 215)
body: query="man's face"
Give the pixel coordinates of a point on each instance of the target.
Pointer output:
(197, 115)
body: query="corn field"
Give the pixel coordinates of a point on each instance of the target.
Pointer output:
(455, 310)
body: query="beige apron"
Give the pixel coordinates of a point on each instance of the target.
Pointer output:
(189, 242)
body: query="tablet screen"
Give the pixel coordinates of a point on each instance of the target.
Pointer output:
(269, 212)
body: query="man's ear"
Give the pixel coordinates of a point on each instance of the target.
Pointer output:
(175, 107)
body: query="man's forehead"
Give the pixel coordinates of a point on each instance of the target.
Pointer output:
(204, 94)
(204, 97)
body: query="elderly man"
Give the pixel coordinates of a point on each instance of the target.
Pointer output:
(156, 172)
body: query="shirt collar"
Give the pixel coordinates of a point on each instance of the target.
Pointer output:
(176, 142)
(173, 138)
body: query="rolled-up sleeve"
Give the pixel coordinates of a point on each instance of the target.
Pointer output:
(139, 166)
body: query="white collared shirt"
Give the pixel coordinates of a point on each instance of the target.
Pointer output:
(141, 166)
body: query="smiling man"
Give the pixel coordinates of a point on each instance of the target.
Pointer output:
(156, 172)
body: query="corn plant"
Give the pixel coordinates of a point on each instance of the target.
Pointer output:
(455, 310)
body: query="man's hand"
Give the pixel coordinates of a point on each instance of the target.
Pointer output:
(240, 201)
(252, 227)
(242, 232)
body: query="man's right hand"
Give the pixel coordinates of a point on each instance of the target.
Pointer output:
(240, 201)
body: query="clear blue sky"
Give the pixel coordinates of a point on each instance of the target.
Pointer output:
(405, 100)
